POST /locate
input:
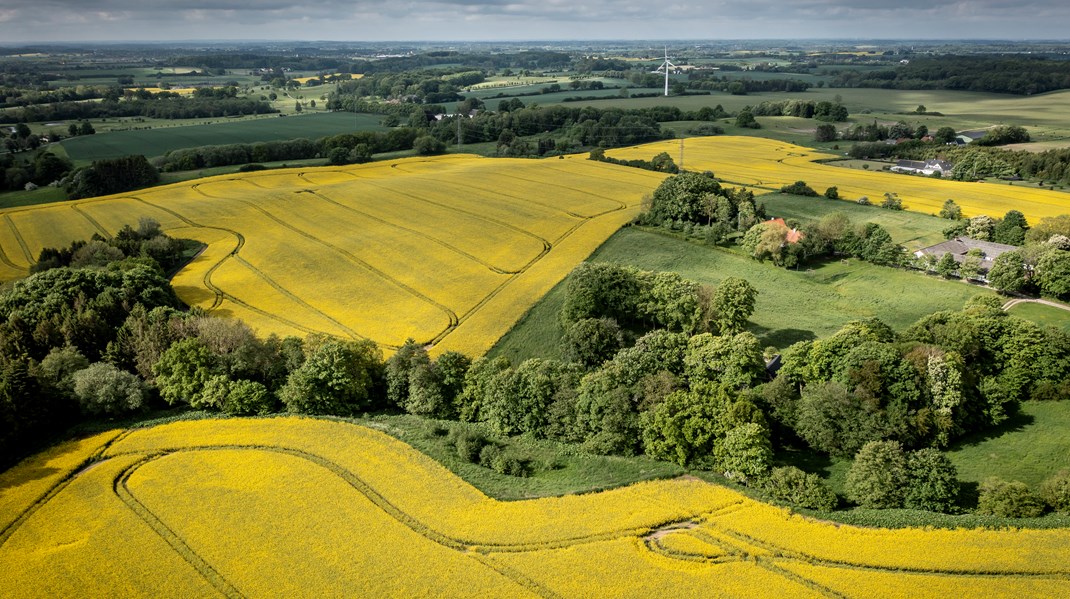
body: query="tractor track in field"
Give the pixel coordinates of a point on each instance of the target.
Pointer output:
(92, 221)
(220, 294)
(409, 230)
(18, 237)
(450, 314)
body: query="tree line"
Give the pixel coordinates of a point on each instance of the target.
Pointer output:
(1019, 75)
(164, 105)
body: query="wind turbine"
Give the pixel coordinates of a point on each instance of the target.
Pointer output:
(665, 65)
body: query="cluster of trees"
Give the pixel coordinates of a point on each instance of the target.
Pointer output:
(354, 147)
(44, 169)
(807, 109)
(147, 241)
(690, 200)
(109, 176)
(739, 87)
(164, 105)
(833, 234)
(662, 163)
(1020, 75)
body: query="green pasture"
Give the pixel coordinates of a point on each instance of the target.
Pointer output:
(792, 305)
(160, 140)
(913, 230)
(1043, 315)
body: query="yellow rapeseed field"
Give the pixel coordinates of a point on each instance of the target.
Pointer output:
(449, 251)
(306, 507)
(770, 164)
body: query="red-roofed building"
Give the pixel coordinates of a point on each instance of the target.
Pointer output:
(792, 236)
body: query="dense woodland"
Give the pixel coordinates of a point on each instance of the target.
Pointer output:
(1024, 75)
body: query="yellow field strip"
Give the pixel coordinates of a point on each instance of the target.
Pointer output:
(771, 164)
(298, 506)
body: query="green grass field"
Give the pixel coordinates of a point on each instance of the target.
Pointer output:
(1044, 315)
(792, 305)
(1030, 447)
(159, 141)
(911, 229)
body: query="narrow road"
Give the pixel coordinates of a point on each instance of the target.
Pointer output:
(1014, 302)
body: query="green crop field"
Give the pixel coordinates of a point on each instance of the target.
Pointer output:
(159, 141)
(792, 305)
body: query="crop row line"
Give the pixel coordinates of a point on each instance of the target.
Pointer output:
(92, 221)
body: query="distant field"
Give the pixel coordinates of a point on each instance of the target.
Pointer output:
(448, 250)
(769, 164)
(1045, 315)
(160, 140)
(254, 507)
(792, 305)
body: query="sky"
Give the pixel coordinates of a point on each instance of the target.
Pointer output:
(524, 20)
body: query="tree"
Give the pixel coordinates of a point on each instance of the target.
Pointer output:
(591, 341)
(944, 135)
(104, 389)
(1011, 229)
(337, 378)
(971, 264)
(950, 210)
(1052, 273)
(427, 145)
(1008, 272)
(1055, 491)
(1008, 499)
(183, 371)
(685, 427)
(878, 477)
(681, 196)
(833, 420)
(745, 453)
(981, 227)
(947, 265)
(733, 303)
(832, 193)
(825, 132)
(933, 483)
(803, 489)
(745, 119)
(664, 163)
(246, 398)
(734, 362)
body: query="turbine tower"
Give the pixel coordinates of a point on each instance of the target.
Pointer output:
(665, 65)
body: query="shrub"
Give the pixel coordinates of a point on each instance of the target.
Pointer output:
(799, 188)
(745, 454)
(933, 482)
(248, 168)
(510, 465)
(468, 444)
(878, 477)
(864, 201)
(104, 389)
(1008, 499)
(803, 489)
(832, 193)
(1055, 491)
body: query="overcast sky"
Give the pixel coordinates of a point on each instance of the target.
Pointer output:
(491, 20)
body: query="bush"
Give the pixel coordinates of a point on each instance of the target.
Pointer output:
(426, 145)
(864, 201)
(1055, 491)
(803, 489)
(799, 188)
(832, 193)
(745, 453)
(510, 465)
(469, 445)
(878, 477)
(934, 485)
(249, 168)
(1008, 499)
(104, 389)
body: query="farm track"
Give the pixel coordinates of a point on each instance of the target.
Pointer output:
(1014, 302)
(450, 314)
(18, 237)
(92, 221)
(711, 527)
(220, 294)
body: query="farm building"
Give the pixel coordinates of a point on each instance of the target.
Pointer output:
(923, 167)
(959, 246)
(792, 236)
